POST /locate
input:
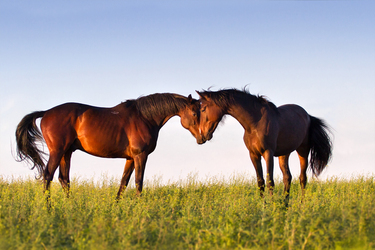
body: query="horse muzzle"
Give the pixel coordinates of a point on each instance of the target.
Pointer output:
(201, 140)
(205, 138)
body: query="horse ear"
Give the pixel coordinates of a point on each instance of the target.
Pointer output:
(200, 95)
(190, 99)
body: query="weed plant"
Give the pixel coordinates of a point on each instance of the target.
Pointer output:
(188, 214)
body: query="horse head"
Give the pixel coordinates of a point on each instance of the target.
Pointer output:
(190, 118)
(210, 115)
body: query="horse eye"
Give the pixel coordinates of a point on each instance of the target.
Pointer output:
(194, 114)
(204, 109)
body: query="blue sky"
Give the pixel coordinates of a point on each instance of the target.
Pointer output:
(318, 54)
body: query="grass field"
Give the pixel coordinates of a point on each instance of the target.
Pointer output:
(188, 214)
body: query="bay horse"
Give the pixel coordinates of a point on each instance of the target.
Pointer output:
(269, 131)
(129, 130)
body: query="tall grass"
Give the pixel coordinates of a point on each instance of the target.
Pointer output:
(189, 214)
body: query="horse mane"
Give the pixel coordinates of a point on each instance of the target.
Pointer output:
(160, 104)
(227, 97)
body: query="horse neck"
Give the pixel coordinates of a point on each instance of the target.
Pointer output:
(160, 120)
(246, 112)
(158, 108)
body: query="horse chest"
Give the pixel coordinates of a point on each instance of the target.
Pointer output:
(142, 141)
(253, 142)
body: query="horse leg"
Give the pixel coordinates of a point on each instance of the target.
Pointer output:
(268, 157)
(64, 172)
(139, 165)
(53, 163)
(287, 177)
(303, 158)
(303, 176)
(128, 170)
(256, 160)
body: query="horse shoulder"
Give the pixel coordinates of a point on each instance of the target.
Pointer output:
(142, 135)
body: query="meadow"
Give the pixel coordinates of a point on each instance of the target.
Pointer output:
(188, 214)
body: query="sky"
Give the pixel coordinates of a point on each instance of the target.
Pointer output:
(317, 54)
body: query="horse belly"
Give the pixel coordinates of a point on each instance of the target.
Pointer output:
(102, 137)
(102, 147)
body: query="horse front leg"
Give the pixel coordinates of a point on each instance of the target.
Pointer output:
(139, 165)
(256, 160)
(128, 170)
(287, 177)
(268, 157)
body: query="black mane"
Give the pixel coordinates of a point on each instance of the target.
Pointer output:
(157, 105)
(227, 97)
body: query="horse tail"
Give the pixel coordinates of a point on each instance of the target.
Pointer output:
(320, 145)
(27, 135)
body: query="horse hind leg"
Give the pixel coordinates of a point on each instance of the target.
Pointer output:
(64, 172)
(287, 177)
(53, 163)
(303, 155)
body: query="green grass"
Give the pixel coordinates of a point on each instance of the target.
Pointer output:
(189, 214)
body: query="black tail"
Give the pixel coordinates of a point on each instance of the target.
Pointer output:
(27, 134)
(320, 145)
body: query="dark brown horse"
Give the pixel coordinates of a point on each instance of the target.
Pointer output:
(129, 130)
(269, 132)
